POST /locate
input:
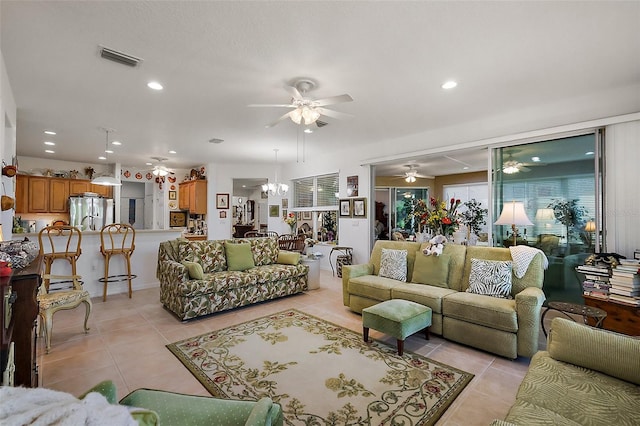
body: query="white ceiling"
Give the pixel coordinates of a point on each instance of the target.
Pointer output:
(215, 58)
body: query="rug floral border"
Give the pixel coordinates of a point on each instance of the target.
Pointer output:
(409, 357)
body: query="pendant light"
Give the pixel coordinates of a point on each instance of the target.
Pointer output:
(276, 188)
(106, 180)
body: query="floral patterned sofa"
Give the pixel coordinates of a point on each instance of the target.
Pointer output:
(202, 277)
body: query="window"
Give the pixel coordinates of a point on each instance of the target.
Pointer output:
(315, 202)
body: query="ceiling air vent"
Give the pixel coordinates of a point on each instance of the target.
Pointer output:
(321, 123)
(216, 140)
(119, 57)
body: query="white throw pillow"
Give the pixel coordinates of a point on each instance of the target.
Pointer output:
(491, 278)
(393, 264)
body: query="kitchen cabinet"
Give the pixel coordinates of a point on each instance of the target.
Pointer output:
(22, 194)
(58, 195)
(193, 196)
(38, 194)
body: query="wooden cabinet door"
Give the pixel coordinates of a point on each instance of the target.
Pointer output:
(183, 196)
(78, 187)
(22, 194)
(58, 195)
(105, 191)
(198, 197)
(38, 194)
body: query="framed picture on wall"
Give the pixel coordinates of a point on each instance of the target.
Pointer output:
(352, 186)
(284, 213)
(223, 214)
(345, 208)
(274, 210)
(359, 207)
(285, 203)
(222, 201)
(306, 215)
(299, 216)
(172, 195)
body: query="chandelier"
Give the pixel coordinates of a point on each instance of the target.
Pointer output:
(106, 180)
(275, 188)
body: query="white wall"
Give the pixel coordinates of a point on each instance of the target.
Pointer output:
(8, 122)
(622, 213)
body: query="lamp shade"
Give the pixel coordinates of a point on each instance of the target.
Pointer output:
(106, 181)
(590, 226)
(545, 214)
(513, 214)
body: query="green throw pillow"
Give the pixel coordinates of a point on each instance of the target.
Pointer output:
(195, 270)
(432, 270)
(288, 257)
(239, 256)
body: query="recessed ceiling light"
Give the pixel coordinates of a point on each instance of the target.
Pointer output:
(49, 143)
(465, 168)
(308, 131)
(108, 151)
(49, 151)
(535, 159)
(172, 152)
(102, 157)
(118, 143)
(149, 164)
(449, 84)
(49, 132)
(589, 153)
(154, 85)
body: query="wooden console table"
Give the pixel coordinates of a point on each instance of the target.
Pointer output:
(620, 318)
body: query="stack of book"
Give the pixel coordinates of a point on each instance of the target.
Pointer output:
(596, 282)
(625, 282)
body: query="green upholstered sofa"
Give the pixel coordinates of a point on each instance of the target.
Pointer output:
(507, 327)
(222, 278)
(587, 376)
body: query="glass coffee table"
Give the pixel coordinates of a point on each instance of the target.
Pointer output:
(567, 309)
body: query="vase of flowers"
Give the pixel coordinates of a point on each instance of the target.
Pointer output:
(290, 220)
(438, 217)
(473, 218)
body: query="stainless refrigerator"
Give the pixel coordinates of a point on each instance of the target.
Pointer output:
(90, 212)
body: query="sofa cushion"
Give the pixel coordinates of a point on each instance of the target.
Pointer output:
(265, 249)
(482, 310)
(216, 282)
(372, 286)
(595, 349)
(209, 254)
(239, 256)
(393, 264)
(426, 295)
(490, 277)
(288, 257)
(432, 270)
(195, 270)
(558, 393)
(276, 272)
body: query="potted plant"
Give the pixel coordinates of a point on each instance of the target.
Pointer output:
(473, 218)
(570, 214)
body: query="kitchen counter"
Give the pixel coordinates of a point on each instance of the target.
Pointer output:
(91, 262)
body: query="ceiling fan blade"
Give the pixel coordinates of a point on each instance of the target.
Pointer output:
(333, 114)
(272, 105)
(333, 100)
(524, 169)
(295, 93)
(282, 117)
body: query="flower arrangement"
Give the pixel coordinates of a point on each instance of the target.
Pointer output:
(290, 220)
(474, 216)
(438, 216)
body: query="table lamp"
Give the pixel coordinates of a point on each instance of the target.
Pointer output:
(513, 214)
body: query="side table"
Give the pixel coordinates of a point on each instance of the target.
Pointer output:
(314, 272)
(597, 314)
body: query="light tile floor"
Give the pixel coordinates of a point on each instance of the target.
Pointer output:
(127, 341)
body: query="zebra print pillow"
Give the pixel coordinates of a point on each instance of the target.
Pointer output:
(491, 278)
(393, 264)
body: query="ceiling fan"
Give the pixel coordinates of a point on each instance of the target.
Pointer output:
(305, 110)
(411, 175)
(160, 169)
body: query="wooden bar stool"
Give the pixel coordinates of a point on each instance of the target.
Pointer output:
(59, 242)
(117, 239)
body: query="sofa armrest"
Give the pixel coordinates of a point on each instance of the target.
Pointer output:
(610, 353)
(528, 305)
(171, 273)
(352, 271)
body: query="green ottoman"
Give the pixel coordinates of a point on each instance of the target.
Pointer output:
(398, 318)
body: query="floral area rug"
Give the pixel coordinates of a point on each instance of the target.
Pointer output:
(320, 373)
